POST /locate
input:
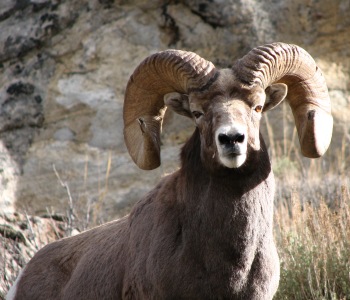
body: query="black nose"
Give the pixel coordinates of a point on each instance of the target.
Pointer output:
(231, 139)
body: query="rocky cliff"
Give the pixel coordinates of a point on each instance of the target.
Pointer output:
(65, 64)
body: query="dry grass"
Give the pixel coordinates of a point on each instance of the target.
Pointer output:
(21, 236)
(314, 248)
(312, 219)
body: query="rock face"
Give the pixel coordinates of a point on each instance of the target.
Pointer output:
(64, 68)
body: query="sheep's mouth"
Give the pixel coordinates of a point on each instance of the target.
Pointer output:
(233, 159)
(232, 153)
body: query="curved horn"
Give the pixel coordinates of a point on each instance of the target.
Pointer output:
(307, 90)
(159, 74)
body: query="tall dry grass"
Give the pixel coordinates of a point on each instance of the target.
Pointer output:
(312, 215)
(312, 218)
(314, 247)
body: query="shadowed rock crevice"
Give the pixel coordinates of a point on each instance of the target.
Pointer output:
(169, 26)
(21, 115)
(37, 21)
(207, 11)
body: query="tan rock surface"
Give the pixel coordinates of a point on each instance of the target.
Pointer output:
(65, 65)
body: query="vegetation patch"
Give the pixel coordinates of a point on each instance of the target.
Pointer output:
(314, 248)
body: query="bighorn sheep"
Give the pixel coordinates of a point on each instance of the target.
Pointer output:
(205, 231)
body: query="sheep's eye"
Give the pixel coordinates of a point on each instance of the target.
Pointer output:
(197, 114)
(258, 108)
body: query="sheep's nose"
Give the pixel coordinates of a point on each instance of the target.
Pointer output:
(231, 139)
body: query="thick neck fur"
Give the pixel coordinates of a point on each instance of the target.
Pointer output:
(231, 210)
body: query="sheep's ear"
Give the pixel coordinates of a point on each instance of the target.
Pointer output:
(275, 94)
(178, 103)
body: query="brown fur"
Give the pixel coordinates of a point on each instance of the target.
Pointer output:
(204, 232)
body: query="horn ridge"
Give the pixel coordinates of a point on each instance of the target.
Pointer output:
(158, 74)
(307, 89)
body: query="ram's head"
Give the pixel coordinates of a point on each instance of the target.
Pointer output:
(226, 104)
